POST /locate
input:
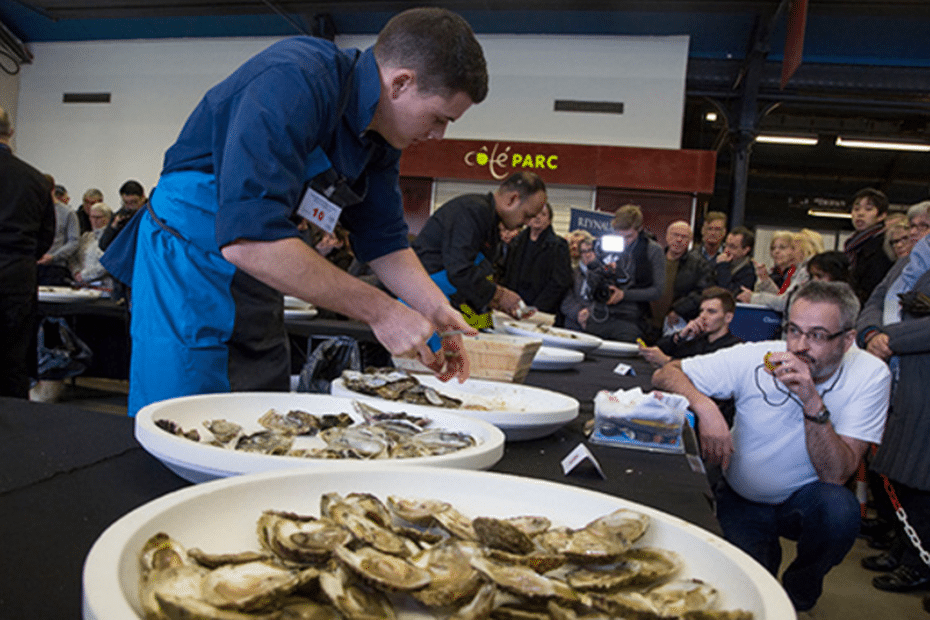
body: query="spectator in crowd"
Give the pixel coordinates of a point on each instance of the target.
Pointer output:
(867, 259)
(713, 231)
(459, 241)
(733, 266)
(830, 266)
(897, 242)
(574, 238)
(783, 262)
(206, 312)
(709, 332)
(91, 197)
(686, 275)
(53, 265)
(507, 237)
(623, 283)
(806, 243)
(334, 246)
(27, 229)
(132, 196)
(806, 410)
(538, 267)
(576, 304)
(894, 326)
(85, 266)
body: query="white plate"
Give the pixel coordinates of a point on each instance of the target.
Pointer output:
(555, 336)
(199, 462)
(522, 412)
(616, 348)
(554, 358)
(220, 516)
(67, 294)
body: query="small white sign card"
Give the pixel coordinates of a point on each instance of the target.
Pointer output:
(578, 455)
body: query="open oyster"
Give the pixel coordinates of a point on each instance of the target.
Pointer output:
(387, 572)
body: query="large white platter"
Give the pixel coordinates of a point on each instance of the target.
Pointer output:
(555, 336)
(554, 358)
(199, 462)
(616, 348)
(65, 294)
(220, 516)
(522, 412)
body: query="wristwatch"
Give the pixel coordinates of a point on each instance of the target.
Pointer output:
(822, 417)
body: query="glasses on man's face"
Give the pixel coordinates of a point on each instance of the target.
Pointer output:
(817, 335)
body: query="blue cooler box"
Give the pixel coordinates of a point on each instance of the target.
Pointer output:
(753, 322)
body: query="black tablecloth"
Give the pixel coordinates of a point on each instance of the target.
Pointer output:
(66, 474)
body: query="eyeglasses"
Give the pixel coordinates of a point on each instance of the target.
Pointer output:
(818, 335)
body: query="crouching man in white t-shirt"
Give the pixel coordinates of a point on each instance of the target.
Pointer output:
(806, 410)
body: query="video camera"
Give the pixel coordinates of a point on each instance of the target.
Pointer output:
(605, 270)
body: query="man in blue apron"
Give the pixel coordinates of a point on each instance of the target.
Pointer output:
(461, 239)
(302, 124)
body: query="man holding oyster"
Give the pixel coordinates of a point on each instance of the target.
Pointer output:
(806, 410)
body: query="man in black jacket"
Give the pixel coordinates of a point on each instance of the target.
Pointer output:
(460, 240)
(538, 266)
(27, 228)
(868, 262)
(734, 265)
(686, 275)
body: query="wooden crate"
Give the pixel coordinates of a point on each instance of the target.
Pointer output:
(498, 357)
(501, 357)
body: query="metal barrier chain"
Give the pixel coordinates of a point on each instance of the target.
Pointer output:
(902, 517)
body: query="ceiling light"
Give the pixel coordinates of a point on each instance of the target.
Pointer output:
(710, 116)
(843, 215)
(774, 139)
(874, 144)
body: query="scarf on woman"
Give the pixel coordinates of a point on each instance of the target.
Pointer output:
(787, 281)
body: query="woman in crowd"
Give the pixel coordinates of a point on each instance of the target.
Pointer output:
(86, 268)
(898, 242)
(782, 251)
(806, 244)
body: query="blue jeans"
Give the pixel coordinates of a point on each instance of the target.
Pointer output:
(823, 518)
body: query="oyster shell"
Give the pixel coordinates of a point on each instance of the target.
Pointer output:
(355, 600)
(418, 512)
(176, 591)
(521, 580)
(602, 579)
(456, 524)
(498, 534)
(293, 422)
(299, 608)
(454, 580)
(214, 560)
(654, 564)
(300, 539)
(539, 561)
(223, 430)
(367, 531)
(592, 546)
(677, 597)
(247, 587)
(531, 525)
(384, 571)
(629, 524)
(265, 442)
(480, 606)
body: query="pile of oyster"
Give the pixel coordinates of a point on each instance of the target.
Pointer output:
(396, 384)
(363, 559)
(382, 435)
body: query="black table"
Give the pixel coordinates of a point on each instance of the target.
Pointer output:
(104, 326)
(66, 474)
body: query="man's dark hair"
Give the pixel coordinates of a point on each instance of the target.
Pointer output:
(60, 191)
(524, 183)
(833, 263)
(718, 292)
(132, 188)
(440, 46)
(712, 216)
(875, 196)
(749, 238)
(838, 293)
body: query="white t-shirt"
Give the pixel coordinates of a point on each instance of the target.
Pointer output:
(770, 459)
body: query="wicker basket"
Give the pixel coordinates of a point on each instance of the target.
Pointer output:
(497, 357)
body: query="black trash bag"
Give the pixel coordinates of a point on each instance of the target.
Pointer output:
(327, 361)
(61, 353)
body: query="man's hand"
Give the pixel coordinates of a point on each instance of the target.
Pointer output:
(506, 300)
(45, 260)
(724, 257)
(744, 295)
(693, 329)
(654, 355)
(762, 272)
(327, 243)
(451, 360)
(616, 295)
(878, 346)
(794, 373)
(583, 315)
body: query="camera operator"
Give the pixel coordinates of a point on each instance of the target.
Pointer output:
(628, 273)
